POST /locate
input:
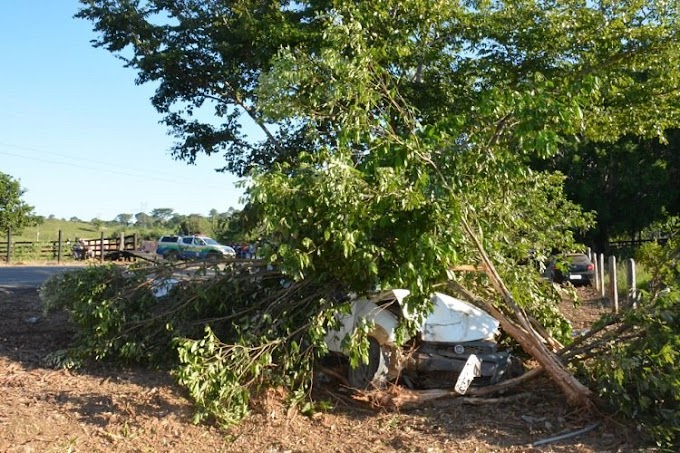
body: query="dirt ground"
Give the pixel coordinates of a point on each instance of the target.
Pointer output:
(101, 410)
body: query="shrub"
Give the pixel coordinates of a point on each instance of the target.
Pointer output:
(636, 369)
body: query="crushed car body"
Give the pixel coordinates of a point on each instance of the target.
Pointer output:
(455, 344)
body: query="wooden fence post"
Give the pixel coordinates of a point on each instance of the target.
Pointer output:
(632, 284)
(101, 247)
(600, 265)
(613, 292)
(9, 245)
(59, 248)
(594, 259)
(121, 242)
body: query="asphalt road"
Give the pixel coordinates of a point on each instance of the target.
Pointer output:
(29, 276)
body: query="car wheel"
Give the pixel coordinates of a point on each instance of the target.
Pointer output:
(172, 255)
(515, 368)
(373, 374)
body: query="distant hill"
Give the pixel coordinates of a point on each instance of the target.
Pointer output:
(49, 231)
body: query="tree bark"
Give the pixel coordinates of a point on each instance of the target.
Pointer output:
(576, 393)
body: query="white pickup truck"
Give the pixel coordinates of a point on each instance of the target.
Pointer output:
(192, 247)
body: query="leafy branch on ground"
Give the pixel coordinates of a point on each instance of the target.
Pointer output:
(227, 336)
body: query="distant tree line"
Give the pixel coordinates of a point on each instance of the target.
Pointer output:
(631, 185)
(228, 226)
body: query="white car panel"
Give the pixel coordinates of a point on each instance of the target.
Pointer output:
(456, 321)
(451, 321)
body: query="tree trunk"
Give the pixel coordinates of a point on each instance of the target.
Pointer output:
(601, 239)
(576, 393)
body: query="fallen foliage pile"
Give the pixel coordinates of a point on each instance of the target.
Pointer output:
(100, 409)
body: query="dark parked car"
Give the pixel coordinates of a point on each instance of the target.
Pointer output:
(575, 268)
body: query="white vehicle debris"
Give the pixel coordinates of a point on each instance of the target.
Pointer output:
(455, 342)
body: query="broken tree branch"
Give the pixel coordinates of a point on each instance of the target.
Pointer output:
(401, 398)
(576, 393)
(504, 385)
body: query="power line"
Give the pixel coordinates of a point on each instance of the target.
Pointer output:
(106, 168)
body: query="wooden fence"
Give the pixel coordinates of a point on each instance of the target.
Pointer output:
(60, 250)
(622, 246)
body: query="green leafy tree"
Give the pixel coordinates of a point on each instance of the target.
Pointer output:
(226, 227)
(15, 213)
(239, 226)
(399, 133)
(98, 223)
(143, 220)
(195, 224)
(214, 217)
(210, 53)
(175, 221)
(447, 58)
(162, 215)
(124, 219)
(610, 178)
(397, 173)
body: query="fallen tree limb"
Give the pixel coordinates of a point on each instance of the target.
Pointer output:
(576, 393)
(400, 398)
(502, 399)
(468, 268)
(530, 344)
(504, 385)
(586, 342)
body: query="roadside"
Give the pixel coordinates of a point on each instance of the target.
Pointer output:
(64, 263)
(99, 409)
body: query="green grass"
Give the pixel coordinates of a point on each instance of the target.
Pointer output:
(642, 278)
(49, 231)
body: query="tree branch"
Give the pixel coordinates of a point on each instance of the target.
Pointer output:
(239, 101)
(577, 394)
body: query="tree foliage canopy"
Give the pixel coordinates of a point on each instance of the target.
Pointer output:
(387, 125)
(430, 97)
(425, 113)
(609, 178)
(447, 59)
(15, 214)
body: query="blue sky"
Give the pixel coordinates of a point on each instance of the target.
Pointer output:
(77, 132)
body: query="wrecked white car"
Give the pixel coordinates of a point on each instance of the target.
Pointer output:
(454, 345)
